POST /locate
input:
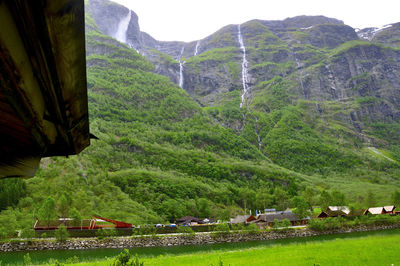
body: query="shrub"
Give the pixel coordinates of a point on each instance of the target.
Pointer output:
(239, 226)
(221, 229)
(281, 224)
(252, 229)
(61, 233)
(317, 225)
(102, 233)
(186, 231)
(27, 259)
(28, 233)
(124, 258)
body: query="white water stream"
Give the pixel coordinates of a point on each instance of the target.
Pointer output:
(245, 76)
(181, 68)
(120, 35)
(196, 50)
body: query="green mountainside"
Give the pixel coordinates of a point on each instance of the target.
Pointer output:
(322, 114)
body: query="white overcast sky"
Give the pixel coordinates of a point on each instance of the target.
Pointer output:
(187, 20)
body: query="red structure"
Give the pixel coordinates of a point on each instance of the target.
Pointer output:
(93, 223)
(117, 224)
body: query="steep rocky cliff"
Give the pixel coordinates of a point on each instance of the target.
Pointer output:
(310, 93)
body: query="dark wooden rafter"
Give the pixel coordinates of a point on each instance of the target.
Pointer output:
(43, 96)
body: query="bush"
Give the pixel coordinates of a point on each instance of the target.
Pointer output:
(27, 259)
(239, 226)
(28, 233)
(252, 229)
(61, 233)
(186, 231)
(124, 258)
(317, 225)
(145, 231)
(221, 229)
(102, 233)
(281, 225)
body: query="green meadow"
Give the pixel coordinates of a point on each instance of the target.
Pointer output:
(375, 249)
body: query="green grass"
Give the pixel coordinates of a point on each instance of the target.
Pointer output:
(366, 250)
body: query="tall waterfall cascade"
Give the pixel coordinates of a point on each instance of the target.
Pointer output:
(196, 49)
(181, 68)
(120, 35)
(245, 75)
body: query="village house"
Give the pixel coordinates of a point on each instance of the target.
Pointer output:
(380, 210)
(268, 219)
(334, 211)
(191, 220)
(243, 219)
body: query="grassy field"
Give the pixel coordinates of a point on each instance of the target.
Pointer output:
(366, 250)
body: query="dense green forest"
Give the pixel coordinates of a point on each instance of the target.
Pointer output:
(161, 155)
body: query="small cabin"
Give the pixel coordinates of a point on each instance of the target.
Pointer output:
(243, 219)
(334, 211)
(380, 210)
(268, 219)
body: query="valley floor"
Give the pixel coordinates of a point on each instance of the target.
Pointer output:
(370, 249)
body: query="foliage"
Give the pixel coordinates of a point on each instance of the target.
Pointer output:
(186, 231)
(11, 190)
(124, 258)
(221, 229)
(28, 233)
(27, 259)
(281, 224)
(301, 207)
(102, 233)
(48, 210)
(61, 233)
(252, 229)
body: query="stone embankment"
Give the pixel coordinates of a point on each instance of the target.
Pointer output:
(174, 240)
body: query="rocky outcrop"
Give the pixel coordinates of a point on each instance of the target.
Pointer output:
(362, 73)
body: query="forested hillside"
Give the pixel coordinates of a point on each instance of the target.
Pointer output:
(321, 116)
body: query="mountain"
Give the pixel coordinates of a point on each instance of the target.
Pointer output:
(246, 118)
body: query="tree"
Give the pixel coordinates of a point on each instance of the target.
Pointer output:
(281, 198)
(8, 223)
(173, 209)
(74, 214)
(301, 206)
(370, 200)
(203, 207)
(396, 198)
(263, 199)
(47, 211)
(247, 196)
(63, 206)
(325, 199)
(61, 233)
(309, 196)
(338, 198)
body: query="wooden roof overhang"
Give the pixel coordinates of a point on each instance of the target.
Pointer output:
(43, 93)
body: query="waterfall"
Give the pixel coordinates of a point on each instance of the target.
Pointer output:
(120, 35)
(299, 70)
(245, 77)
(196, 50)
(181, 68)
(181, 74)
